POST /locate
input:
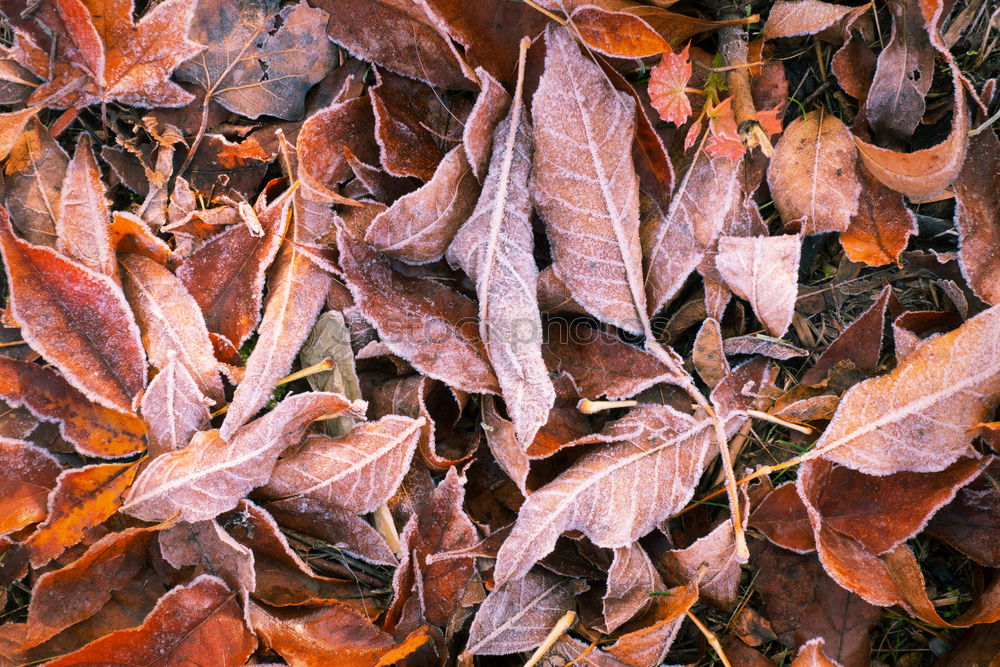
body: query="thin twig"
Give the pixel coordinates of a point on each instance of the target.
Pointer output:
(712, 639)
(764, 416)
(557, 631)
(589, 407)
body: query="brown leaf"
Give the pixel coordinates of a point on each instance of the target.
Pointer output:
(11, 125)
(495, 248)
(327, 134)
(82, 498)
(330, 338)
(418, 227)
(260, 58)
(76, 318)
(170, 322)
(406, 144)
(82, 224)
(882, 226)
(775, 348)
(173, 409)
(802, 17)
(76, 592)
(811, 655)
(969, 521)
(585, 186)
(359, 471)
(93, 429)
(649, 467)
(226, 275)
(28, 474)
(918, 416)
(708, 355)
(764, 271)
(334, 634)
(34, 174)
(812, 175)
(632, 581)
(895, 102)
(199, 623)
(210, 550)
(210, 475)
(648, 646)
(491, 107)
(618, 34)
(422, 321)
(600, 363)
(783, 519)
(977, 216)
(517, 615)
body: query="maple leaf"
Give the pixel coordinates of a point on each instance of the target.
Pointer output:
(667, 83)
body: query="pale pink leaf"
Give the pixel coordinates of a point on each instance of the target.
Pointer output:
(667, 83)
(764, 271)
(632, 580)
(173, 409)
(477, 137)
(802, 17)
(82, 225)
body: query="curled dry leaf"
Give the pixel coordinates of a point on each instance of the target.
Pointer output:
(764, 271)
(210, 475)
(811, 655)
(28, 474)
(260, 58)
(210, 550)
(77, 318)
(173, 409)
(424, 322)
(968, 522)
(330, 338)
(812, 175)
(517, 615)
(327, 135)
(359, 471)
(495, 247)
(919, 416)
(650, 465)
(491, 107)
(200, 622)
(406, 144)
(418, 226)
(584, 183)
(93, 429)
(632, 581)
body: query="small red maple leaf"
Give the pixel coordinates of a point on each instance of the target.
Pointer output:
(692, 135)
(667, 83)
(725, 138)
(769, 121)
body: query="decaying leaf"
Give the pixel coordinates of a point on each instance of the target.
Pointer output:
(879, 231)
(977, 216)
(82, 225)
(764, 271)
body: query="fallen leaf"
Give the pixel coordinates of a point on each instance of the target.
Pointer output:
(977, 216)
(82, 224)
(812, 175)
(811, 655)
(77, 318)
(967, 521)
(210, 475)
(29, 474)
(618, 34)
(406, 144)
(648, 646)
(880, 230)
(200, 622)
(327, 133)
(173, 409)
(802, 17)
(667, 83)
(330, 338)
(491, 107)
(764, 271)
(205, 546)
(632, 581)
(33, 176)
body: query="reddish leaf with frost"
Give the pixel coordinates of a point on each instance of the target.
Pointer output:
(724, 138)
(406, 145)
(977, 216)
(782, 518)
(28, 474)
(441, 525)
(327, 134)
(418, 226)
(919, 417)
(903, 75)
(82, 498)
(11, 125)
(970, 521)
(802, 17)
(812, 175)
(495, 247)
(332, 524)
(584, 183)
(770, 120)
(200, 623)
(173, 409)
(600, 363)
(210, 550)
(673, 243)
(226, 275)
(503, 444)
(882, 226)
(650, 465)
(491, 106)
(260, 58)
(33, 176)
(76, 318)
(619, 34)
(648, 646)
(65, 596)
(100, 54)
(170, 322)
(915, 326)
(667, 83)
(210, 475)
(422, 321)
(93, 429)
(860, 342)
(708, 355)
(632, 581)
(334, 634)
(763, 270)
(297, 290)
(811, 654)
(359, 471)
(517, 615)
(82, 224)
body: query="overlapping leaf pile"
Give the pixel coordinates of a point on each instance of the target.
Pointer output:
(365, 332)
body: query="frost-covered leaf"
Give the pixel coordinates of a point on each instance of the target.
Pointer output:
(667, 83)
(33, 176)
(173, 409)
(977, 216)
(802, 17)
(632, 581)
(82, 225)
(29, 474)
(882, 226)
(764, 271)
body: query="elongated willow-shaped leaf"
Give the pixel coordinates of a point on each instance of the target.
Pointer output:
(210, 475)
(920, 416)
(173, 409)
(82, 225)
(585, 184)
(647, 472)
(495, 247)
(76, 318)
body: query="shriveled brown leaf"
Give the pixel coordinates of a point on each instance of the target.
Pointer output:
(205, 546)
(977, 216)
(33, 175)
(632, 581)
(210, 475)
(491, 107)
(330, 338)
(407, 146)
(812, 175)
(764, 271)
(327, 133)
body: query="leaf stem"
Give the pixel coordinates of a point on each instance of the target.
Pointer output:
(713, 641)
(557, 631)
(763, 416)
